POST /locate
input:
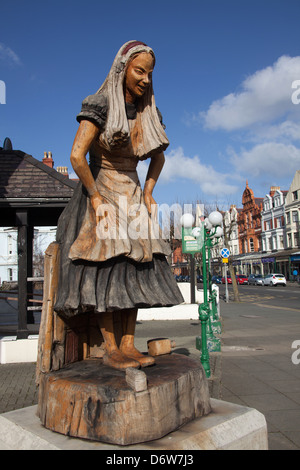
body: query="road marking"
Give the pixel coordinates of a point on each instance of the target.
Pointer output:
(254, 297)
(251, 316)
(279, 308)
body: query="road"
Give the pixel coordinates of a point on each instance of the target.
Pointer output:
(279, 296)
(260, 359)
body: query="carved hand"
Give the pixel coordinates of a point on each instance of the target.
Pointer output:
(150, 204)
(97, 201)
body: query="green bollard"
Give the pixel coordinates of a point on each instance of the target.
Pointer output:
(215, 323)
(203, 316)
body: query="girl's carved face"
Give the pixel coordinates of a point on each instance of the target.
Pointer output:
(138, 76)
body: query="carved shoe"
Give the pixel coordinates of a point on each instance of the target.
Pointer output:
(143, 360)
(118, 360)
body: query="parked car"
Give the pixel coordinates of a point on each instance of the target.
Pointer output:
(199, 278)
(256, 279)
(241, 279)
(229, 281)
(274, 279)
(216, 279)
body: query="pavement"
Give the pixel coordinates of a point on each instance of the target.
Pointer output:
(255, 367)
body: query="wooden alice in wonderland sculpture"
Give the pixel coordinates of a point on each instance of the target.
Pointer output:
(107, 262)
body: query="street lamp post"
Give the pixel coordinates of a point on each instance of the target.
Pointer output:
(208, 342)
(195, 240)
(214, 323)
(191, 244)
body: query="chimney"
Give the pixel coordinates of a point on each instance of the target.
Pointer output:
(47, 160)
(63, 170)
(273, 190)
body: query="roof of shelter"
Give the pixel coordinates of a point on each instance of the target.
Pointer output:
(23, 176)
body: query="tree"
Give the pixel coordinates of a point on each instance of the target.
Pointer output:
(229, 223)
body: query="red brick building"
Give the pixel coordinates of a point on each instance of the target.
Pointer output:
(249, 222)
(179, 261)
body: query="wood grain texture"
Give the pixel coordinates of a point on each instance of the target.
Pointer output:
(136, 379)
(45, 344)
(90, 400)
(159, 346)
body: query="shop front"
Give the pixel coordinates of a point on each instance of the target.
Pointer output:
(295, 267)
(269, 265)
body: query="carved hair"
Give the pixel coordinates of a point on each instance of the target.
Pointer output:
(149, 136)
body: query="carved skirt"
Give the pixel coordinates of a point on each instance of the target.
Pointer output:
(95, 281)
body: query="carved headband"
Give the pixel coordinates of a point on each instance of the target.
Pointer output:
(132, 44)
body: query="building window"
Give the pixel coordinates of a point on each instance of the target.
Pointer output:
(288, 218)
(9, 244)
(10, 274)
(289, 238)
(251, 245)
(295, 216)
(281, 242)
(296, 238)
(270, 244)
(295, 195)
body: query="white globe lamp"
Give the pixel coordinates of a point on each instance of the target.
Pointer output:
(196, 232)
(187, 220)
(207, 224)
(219, 232)
(215, 218)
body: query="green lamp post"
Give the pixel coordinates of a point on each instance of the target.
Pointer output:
(214, 323)
(192, 241)
(212, 231)
(195, 240)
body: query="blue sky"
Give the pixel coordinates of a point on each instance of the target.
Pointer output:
(223, 82)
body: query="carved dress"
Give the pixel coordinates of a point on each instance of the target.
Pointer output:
(125, 267)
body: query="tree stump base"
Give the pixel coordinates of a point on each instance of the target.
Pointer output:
(90, 400)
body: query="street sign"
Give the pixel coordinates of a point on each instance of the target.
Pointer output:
(225, 253)
(225, 260)
(192, 240)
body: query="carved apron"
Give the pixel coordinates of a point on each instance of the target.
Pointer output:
(119, 263)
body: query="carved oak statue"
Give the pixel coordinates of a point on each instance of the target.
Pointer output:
(108, 262)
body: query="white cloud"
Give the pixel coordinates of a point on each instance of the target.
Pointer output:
(178, 166)
(8, 55)
(262, 113)
(286, 131)
(264, 97)
(271, 158)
